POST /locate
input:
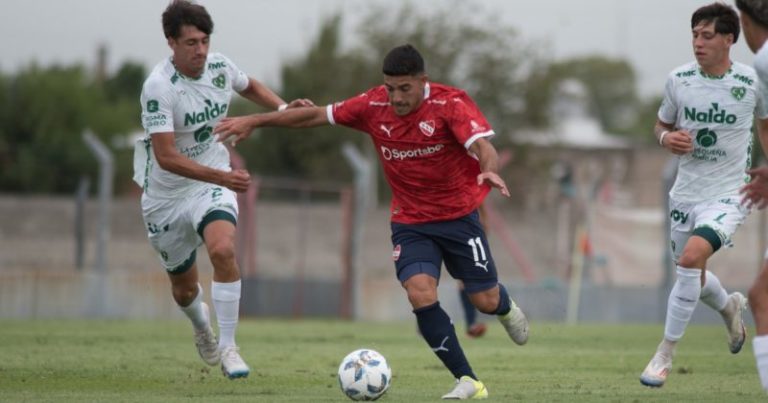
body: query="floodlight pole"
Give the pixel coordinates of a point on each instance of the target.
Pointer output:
(106, 174)
(362, 171)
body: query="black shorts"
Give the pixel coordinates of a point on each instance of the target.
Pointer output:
(461, 243)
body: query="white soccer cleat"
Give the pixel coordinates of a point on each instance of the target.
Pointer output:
(656, 371)
(205, 340)
(467, 388)
(734, 322)
(516, 324)
(232, 365)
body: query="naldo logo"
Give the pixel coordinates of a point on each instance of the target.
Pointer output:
(706, 138)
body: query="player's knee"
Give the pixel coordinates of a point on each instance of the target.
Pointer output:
(420, 295)
(486, 302)
(221, 253)
(184, 294)
(692, 259)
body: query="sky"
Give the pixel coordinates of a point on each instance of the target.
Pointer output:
(259, 35)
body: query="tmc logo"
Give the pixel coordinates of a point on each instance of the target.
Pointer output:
(677, 215)
(706, 138)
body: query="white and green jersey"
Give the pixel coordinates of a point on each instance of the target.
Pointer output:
(761, 67)
(189, 108)
(718, 113)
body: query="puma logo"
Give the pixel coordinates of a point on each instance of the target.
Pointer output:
(386, 130)
(442, 346)
(483, 265)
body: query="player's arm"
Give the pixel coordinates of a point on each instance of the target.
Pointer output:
(240, 127)
(170, 159)
(489, 165)
(260, 94)
(677, 141)
(756, 191)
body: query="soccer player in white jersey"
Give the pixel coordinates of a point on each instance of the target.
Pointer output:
(706, 119)
(754, 21)
(189, 187)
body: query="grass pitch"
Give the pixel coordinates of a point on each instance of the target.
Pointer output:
(296, 361)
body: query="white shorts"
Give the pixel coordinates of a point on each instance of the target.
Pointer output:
(715, 220)
(175, 226)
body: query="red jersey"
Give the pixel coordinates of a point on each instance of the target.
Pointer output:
(425, 153)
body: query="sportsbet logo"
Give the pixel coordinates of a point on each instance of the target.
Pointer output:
(711, 115)
(393, 153)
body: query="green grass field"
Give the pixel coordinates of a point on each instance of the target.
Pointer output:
(296, 361)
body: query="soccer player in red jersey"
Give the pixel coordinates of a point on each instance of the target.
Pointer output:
(432, 141)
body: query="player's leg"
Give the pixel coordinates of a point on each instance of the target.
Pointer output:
(474, 328)
(417, 262)
(468, 258)
(216, 217)
(758, 302)
(718, 222)
(176, 242)
(188, 294)
(682, 301)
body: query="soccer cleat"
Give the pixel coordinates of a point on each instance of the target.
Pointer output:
(516, 324)
(477, 330)
(656, 371)
(205, 340)
(467, 388)
(232, 365)
(734, 322)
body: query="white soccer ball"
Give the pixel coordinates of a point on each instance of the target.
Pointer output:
(364, 375)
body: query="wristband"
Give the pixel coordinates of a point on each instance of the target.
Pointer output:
(661, 138)
(282, 107)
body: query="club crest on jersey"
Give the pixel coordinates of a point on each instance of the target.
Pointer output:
(738, 92)
(427, 127)
(396, 253)
(219, 81)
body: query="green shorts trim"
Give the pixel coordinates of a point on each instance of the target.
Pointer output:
(185, 266)
(710, 235)
(213, 216)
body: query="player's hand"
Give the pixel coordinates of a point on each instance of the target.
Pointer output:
(238, 180)
(300, 103)
(679, 142)
(755, 193)
(494, 180)
(235, 129)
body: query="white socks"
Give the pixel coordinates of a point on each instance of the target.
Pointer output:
(195, 311)
(713, 294)
(760, 345)
(226, 302)
(682, 302)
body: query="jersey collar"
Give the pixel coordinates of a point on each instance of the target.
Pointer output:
(426, 91)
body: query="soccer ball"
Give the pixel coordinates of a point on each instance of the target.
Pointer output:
(364, 375)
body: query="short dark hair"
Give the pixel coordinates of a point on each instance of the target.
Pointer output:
(757, 10)
(724, 16)
(184, 12)
(403, 60)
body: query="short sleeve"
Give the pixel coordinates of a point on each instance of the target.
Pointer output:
(238, 77)
(466, 121)
(668, 109)
(156, 107)
(350, 112)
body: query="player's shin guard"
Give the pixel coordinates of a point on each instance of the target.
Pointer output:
(760, 345)
(195, 312)
(226, 302)
(713, 294)
(436, 328)
(682, 302)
